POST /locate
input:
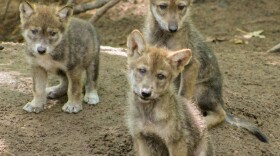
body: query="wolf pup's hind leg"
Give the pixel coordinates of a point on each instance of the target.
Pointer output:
(91, 96)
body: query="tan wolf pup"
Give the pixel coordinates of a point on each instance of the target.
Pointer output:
(168, 24)
(59, 44)
(161, 122)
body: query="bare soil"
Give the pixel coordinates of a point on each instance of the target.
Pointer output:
(251, 88)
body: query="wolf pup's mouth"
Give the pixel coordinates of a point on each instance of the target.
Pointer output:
(144, 100)
(141, 98)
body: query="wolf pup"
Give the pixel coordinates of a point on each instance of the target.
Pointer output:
(168, 24)
(160, 121)
(60, 44)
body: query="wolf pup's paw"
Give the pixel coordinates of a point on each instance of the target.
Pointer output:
(70, 107)
(31, 107)
(91, 98)
(55, 92)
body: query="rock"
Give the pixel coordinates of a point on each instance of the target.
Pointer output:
(1, 47)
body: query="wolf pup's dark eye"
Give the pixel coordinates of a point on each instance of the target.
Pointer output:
(160, 76)
(163, 6)
(142, 70)
(52, 33)
(181, 7)
(34, 31)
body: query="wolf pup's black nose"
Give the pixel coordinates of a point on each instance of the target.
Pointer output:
(172, 28)
(41, 50)
(146, 94)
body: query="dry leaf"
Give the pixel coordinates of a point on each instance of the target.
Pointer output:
(249, 35)
(239, 41)
(215, 39)
(254, 34)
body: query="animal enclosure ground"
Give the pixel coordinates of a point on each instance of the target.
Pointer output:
(251, 88)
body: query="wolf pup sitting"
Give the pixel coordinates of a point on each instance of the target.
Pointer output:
(59, 44)
(161, 122)
(168, 24)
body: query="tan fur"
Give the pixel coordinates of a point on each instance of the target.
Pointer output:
(161, 123)
(59, 44)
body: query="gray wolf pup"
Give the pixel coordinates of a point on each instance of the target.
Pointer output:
(59, 44)
(161, 122)
(169, 25)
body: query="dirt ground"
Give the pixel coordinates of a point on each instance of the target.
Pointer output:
(251, 88)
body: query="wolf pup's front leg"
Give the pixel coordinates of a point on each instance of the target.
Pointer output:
(39, 76)
(178, 148)
(74, 103)
(141, 147)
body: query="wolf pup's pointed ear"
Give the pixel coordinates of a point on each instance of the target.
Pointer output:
(65, 13)
(26, 10)
(135, 43)
(180, 58)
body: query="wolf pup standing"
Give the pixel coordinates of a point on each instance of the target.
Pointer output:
(168, 24)
(160, 121)
(60, 44)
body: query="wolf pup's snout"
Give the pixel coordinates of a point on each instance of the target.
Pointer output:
(146, 92)
(41, 50)
(172, 27)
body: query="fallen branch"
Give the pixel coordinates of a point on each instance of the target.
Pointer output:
(80, 8)
(103, 10)
(275, 48)
(70, 2)
(8, 2)
(113, 51)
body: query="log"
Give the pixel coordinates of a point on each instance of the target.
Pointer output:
(113, 51)
(103, 10)
(83, 7)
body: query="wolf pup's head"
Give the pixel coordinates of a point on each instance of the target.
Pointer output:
(169, 14)
(43, 26)
(151, 69)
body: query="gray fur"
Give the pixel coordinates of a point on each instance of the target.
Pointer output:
(71, 49)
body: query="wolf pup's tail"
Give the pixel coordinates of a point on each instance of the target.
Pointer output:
(246, 125)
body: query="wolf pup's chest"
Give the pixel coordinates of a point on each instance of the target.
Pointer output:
(155, 121)
(46, 62)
